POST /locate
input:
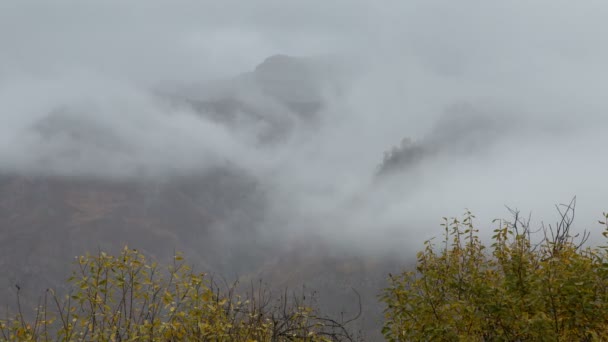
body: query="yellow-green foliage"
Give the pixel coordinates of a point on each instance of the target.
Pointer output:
(127, 298)
(516, 290)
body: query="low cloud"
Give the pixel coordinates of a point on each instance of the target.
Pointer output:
(503, 105)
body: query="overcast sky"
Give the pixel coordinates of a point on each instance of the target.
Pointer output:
(539, 62)
(198, 38)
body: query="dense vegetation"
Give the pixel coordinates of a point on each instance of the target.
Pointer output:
(128, 298)
(542, 285)
(518, 289)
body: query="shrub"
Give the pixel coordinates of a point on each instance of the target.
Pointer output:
(128, 298)
(515, 290)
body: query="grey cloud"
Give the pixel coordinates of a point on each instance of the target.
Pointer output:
(536, 69)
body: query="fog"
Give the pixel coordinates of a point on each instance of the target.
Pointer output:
(504, 101)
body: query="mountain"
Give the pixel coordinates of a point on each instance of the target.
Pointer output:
(281, 92)
(214, 215)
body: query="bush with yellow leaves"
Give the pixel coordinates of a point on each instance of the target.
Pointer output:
(128, 298)
(522, 288)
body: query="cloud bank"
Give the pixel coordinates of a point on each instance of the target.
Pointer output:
(79, 97)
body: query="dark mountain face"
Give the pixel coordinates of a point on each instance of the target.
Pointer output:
(46, 221)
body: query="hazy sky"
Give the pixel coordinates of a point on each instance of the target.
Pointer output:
(540, 64)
